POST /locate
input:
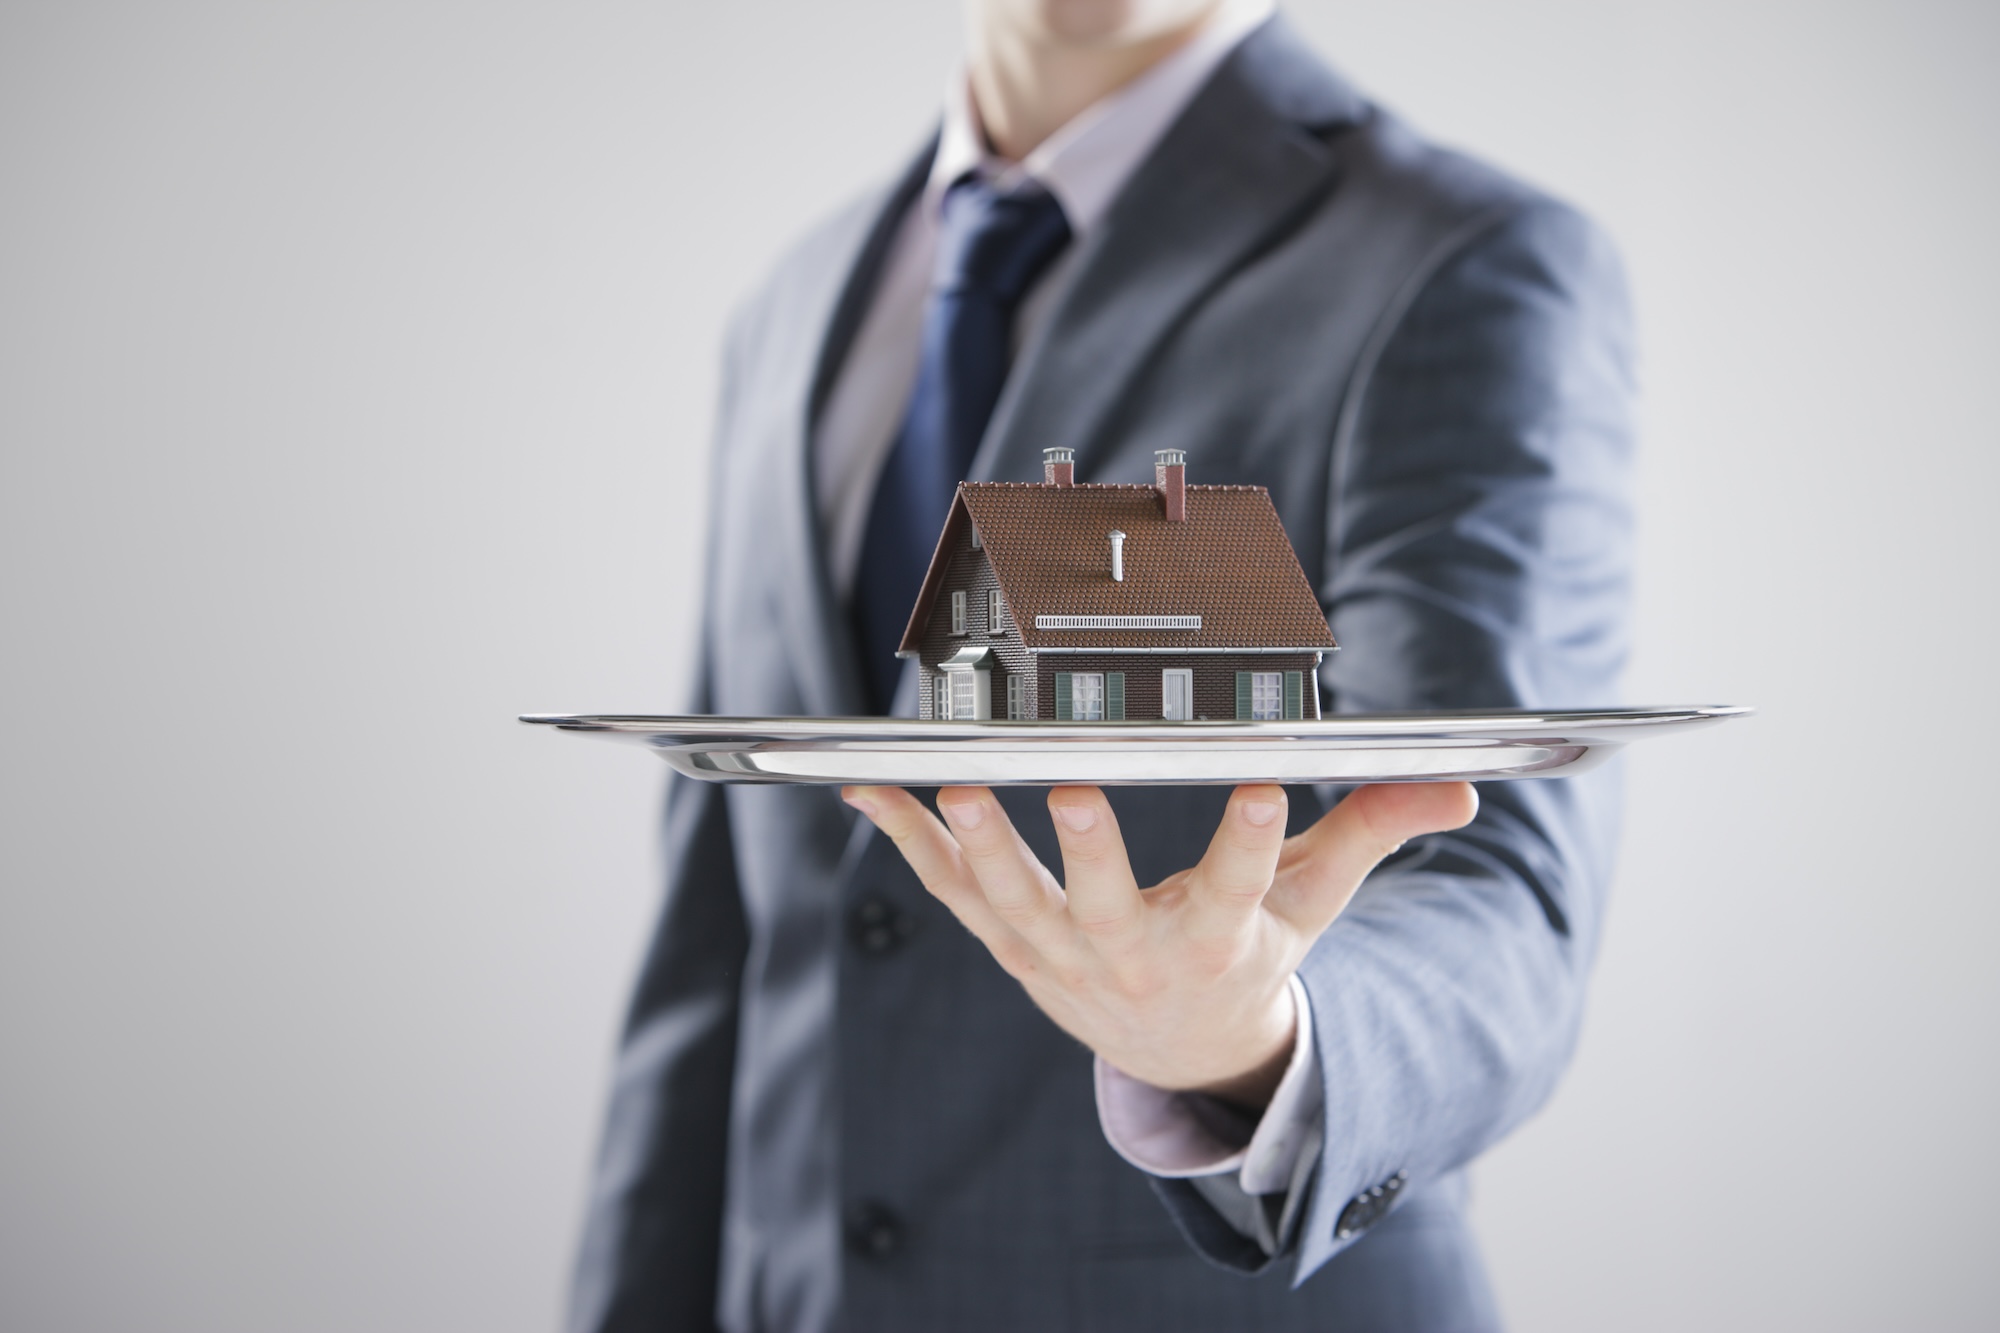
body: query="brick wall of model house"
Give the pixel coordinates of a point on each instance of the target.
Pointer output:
(971, 573)
(1214, 679)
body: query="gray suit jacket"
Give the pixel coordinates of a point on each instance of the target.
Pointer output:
(831, 1107)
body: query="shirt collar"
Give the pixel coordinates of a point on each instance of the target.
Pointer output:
(1087, 161)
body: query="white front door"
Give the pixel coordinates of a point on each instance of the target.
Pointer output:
(1177, 696)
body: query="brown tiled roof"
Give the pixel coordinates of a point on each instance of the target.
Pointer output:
(1229, 563)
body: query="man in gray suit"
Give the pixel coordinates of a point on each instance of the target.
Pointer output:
(1156, 225)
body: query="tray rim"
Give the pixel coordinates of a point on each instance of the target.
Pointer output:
(1511, 743)
(1441, 725)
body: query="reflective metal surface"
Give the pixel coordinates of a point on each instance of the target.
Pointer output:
(1377, 747)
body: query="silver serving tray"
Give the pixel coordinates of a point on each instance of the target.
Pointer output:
(1361, 747)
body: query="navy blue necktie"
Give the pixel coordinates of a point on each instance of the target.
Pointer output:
(991, 249)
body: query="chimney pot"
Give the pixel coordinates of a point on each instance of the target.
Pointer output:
(1170, 476)
(1117, 556)
(1059, 467)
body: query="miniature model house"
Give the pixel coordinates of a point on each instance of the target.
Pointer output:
(1065, 603)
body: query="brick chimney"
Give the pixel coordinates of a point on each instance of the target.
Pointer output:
(1170, 475)
(1059, 467)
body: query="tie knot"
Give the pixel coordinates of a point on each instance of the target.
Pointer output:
(995, 243)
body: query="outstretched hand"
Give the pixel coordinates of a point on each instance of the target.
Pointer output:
(1184, 985)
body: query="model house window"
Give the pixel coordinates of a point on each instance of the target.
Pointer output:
(958, 613)
(1086, 696)
(1267, 696)
(994, 623)
(1090, 696)
(941, 707)
(1015, 710)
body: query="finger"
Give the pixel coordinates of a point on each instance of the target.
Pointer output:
(1019, 888)
(1229, 884)
(1326, 864)
(1104, 902)
(935, 855)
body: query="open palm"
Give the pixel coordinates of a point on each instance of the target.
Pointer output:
(1183, 985)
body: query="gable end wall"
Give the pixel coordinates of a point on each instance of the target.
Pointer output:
(970, 572)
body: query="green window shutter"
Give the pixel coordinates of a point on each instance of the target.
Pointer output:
(1114, 696)
(1242, 695)
(1295, 691)
(1062, 696)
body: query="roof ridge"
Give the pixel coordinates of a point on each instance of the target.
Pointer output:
(1102, 486)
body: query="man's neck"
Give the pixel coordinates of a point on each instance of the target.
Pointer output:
(1029, 84)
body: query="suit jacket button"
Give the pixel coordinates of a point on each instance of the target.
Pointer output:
(873, 1231)
(877, 926)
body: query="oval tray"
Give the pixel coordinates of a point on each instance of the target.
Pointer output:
(1350, 748)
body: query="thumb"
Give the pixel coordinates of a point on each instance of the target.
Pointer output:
(1323, 866)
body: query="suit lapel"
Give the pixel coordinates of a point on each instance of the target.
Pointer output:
(1242, 164)
(816, 625)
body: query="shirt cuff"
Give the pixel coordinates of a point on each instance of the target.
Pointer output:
(1178, 1135)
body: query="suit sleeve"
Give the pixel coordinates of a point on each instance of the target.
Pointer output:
(1478, 557)
(651, 1249)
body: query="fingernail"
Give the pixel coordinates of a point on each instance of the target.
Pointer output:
(1261, 813)
(1077, 818)
(964, 814)
(861, 803)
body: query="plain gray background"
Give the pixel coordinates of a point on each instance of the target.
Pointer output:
(355, 365)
